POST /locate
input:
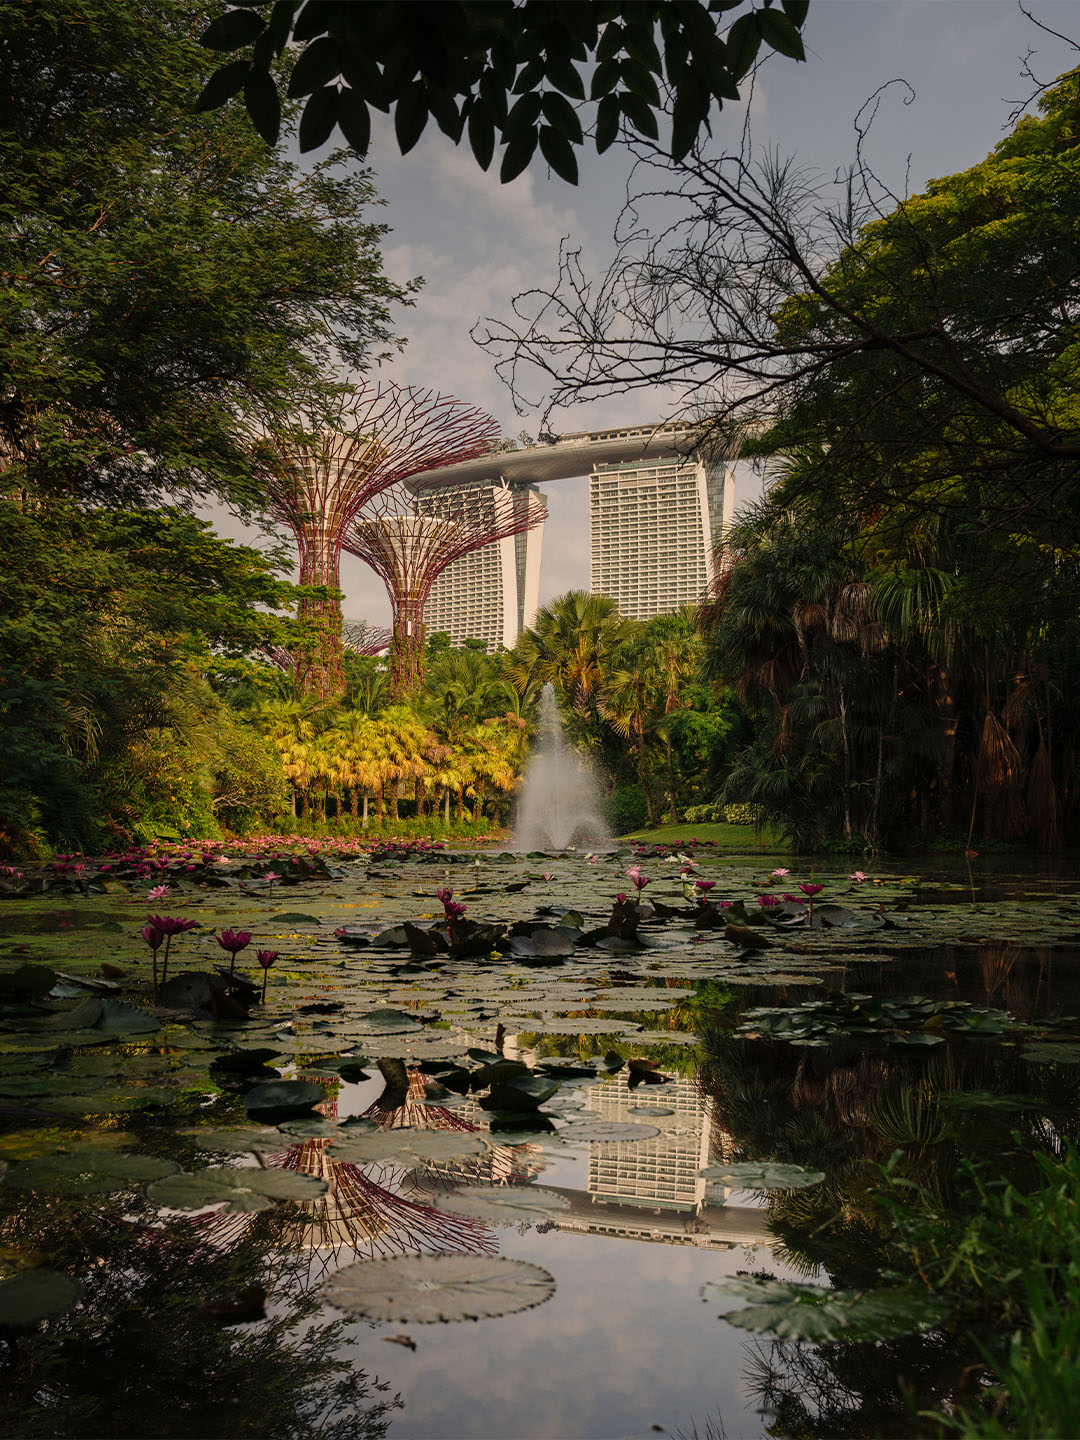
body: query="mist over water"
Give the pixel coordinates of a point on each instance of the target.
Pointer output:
(560, 805)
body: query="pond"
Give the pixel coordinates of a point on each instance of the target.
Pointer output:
(561, 1162)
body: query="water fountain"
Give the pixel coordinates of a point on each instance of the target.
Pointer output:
(559, 803)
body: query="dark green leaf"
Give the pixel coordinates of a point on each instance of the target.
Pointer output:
(517, 155)
(608, 113)
(410, 116)
(530, 77)
(320, 63)
(319, 118)
(780, 34)
(494, 97)
(263, 105)
(686, 122)
(611, 41)
(636, 78)
(231, 30)
(639, 114)
(796, 10)
(354, 121)
(563, 75)
(523, 116)
(562, 116)
(223, 85)
(481, 134)
(605, 78)
(743, 41)
(638, 42)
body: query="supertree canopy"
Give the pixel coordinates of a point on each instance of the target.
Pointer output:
(358, 638)
(409, 534)
(333, 457)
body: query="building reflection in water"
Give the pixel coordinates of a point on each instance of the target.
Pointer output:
(651, 1189)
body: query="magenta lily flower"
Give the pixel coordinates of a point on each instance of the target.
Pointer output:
(265, 958)
(159, 892)
(810, 890)
(169, 925)
(154, 938)
(234, 941)
(769, 901)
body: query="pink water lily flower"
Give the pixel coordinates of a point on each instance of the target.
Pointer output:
(769, 901)
(234, 941)
(159, 892)
(779, 873)
(858, 877)
(265, 958)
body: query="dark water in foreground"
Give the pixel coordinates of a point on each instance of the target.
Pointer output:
(826, 1048)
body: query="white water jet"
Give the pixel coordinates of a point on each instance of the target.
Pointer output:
(559, 803)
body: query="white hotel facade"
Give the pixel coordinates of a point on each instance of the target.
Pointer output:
(657, 513)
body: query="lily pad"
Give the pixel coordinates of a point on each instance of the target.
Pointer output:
(426, 1289)
(506, 1203)
(245, 1191)
(793, 1311)
(239, 1140)
(34, 1295)
(87, 1170)
(278, 1096)
(770, 1175)
(607, 1131)
(430, 1147)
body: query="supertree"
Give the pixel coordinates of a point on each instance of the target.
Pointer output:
(323, 464)
(409, 534)
(359, 639)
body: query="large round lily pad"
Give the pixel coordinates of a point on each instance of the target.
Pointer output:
(504, 1203)
(430, 1147)
(767, 1175)
(236, 1141)
(34, 1295)
(793, 1311)
(87, 1170)
(245, 1190)
(279, 1097)
(610, 1131)
(426, 1289)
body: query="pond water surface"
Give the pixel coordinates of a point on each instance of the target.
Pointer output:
(478, 1208)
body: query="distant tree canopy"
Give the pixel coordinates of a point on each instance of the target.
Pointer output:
(463, 62)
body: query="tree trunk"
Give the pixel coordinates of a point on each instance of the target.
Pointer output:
(945, 707)
(446, 806)
(846, 742)
(671, 782)
(364, 820)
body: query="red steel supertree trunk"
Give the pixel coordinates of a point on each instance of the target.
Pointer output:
(324, 464)
(410, 534)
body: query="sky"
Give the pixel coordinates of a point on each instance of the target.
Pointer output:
(478, 243)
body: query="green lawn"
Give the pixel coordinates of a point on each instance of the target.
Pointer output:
(736, 839)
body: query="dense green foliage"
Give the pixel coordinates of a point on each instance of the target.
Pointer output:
(463, 62)
(164, 277)
(635, 700)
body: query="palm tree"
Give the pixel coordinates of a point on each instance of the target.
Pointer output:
(569, 645)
